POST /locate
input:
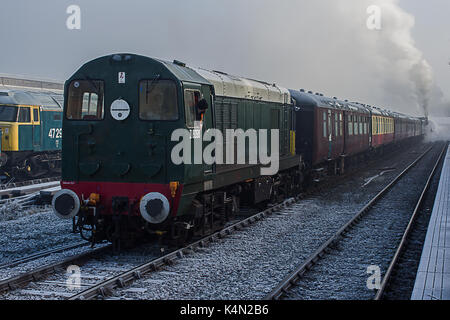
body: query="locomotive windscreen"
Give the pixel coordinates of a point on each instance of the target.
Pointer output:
(85, 100)
(8, 113)
(158, 100)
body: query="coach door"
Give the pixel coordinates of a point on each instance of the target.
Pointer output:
(330, 135)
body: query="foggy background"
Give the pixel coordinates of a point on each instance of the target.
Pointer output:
(319, 45)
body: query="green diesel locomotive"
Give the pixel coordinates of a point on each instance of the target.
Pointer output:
(124, 119)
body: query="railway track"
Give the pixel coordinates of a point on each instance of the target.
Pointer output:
(292, 279)
(40, 255)
(28, 192)
(38, 274)
(107, 285)
(401, 247)
(13, 185)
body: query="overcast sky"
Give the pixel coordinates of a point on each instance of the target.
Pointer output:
(319, 45)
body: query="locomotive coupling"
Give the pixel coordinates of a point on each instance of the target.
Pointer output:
(66, 204)
(154, 207)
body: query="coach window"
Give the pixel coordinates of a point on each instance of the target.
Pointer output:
(336, 125)
(341, 125)
(85, 100)
(356, 125)
(360, 125)
(158, 100)
(324, 124)
(24, 115)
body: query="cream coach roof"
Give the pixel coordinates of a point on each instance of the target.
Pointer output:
(236, 87)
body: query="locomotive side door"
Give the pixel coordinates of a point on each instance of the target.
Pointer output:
(36, 128)
(208, 123)
(198, 122)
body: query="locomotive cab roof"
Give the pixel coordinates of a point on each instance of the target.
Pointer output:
(223, 84)
(46, 100)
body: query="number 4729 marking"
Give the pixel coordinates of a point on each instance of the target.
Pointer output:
(55, 133)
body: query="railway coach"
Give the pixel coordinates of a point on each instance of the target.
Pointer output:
(382, 127)
(329, 131)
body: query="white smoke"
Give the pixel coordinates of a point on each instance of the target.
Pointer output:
(324, 46)
(438, 129)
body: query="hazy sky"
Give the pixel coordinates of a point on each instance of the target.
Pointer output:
(319, 45)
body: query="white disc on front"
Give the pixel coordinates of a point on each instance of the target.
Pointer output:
(120, 109)
(161, 207)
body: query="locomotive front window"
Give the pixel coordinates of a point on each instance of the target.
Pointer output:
(158, 100)
(85, 100)
(8, 113)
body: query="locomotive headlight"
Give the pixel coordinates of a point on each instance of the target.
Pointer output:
(154, 207)
(66, 204)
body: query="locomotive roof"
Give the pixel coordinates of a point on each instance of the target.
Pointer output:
(227, 85)
(182, 72)
(21, 82)
(46, 100)
(311, 100)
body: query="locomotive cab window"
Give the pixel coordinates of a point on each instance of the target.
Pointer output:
(35, 115)
(191, 99)
(158, 100)
(8, 113)
(24, 114)
(85, 100)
